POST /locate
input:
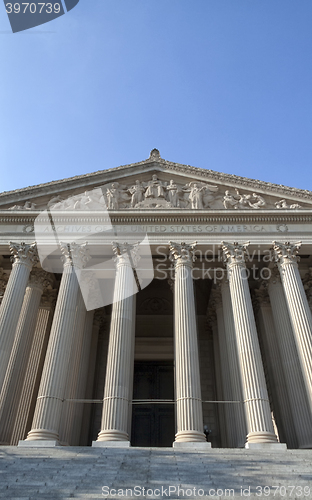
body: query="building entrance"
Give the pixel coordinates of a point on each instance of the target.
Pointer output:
(153, 424)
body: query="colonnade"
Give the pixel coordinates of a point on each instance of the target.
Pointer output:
(283, 316)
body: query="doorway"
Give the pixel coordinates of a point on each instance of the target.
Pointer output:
(153, 424)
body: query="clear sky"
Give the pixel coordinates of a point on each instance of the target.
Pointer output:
(218, 84)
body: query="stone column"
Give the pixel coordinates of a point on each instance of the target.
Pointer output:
(256, 401)
(98, 322)
(46, 422)
(82, 379)
(120, 359)
(212, 322)
(230, 337)
(298, 401)
(15, 375)
(189, 410)
(281, 404)
(72, 374)
(24, 257)
(32, 377)
(298, 307)
(216, 303)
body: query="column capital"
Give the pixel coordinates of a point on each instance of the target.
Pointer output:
(126, 253)
(40, 279)
(48, 298)
(261, 295)
(182, 253)
(75, 255)
(234, 253)
(22, 253)
(275, 275)
(286, 253)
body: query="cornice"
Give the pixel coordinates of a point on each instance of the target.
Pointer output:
(131, 216)
(158, 165)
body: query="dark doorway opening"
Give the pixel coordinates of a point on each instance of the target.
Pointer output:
(153, 424)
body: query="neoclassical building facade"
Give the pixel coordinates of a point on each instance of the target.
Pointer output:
(156, 304)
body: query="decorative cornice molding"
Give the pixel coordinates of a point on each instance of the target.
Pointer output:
(179, 216)
(155, 162)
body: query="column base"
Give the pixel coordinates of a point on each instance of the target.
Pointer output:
(266, 446)
(42, 435)
(112, 435)
(38, 443)
(190, 437)
(190, 446)
(261, 437)
(111, 444)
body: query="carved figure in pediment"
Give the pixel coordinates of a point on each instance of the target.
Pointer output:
(112, 194)
(28, 205)
(137, 193)
(116, 194)
(241, 201)
(173, 194)
(198, 194)
(155, 188)
(230, 200)
(54, 201)
(283, 204)
(260, 202)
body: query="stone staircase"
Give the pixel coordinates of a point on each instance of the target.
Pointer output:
(94, 473)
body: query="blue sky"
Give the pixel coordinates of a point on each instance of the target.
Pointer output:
(218, 84)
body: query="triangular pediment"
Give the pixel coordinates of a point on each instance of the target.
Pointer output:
(159, 184)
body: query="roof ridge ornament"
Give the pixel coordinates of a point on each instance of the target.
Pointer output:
(155, 155)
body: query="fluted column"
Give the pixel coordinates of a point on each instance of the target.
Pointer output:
(120, 358)
(82, 378)
(51, 393)
(298, 307)
(216, 303)
(256, 400)
(189, 410)
(31, 381)
(24, 257)
(98, 321)
(298, 401)
(240, 431)
(212, 322)
(72, 373)
(276, 377)
(14, 378)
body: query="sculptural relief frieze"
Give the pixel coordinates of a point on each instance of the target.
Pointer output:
(159, 194)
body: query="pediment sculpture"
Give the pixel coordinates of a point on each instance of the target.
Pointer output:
(158, 194)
